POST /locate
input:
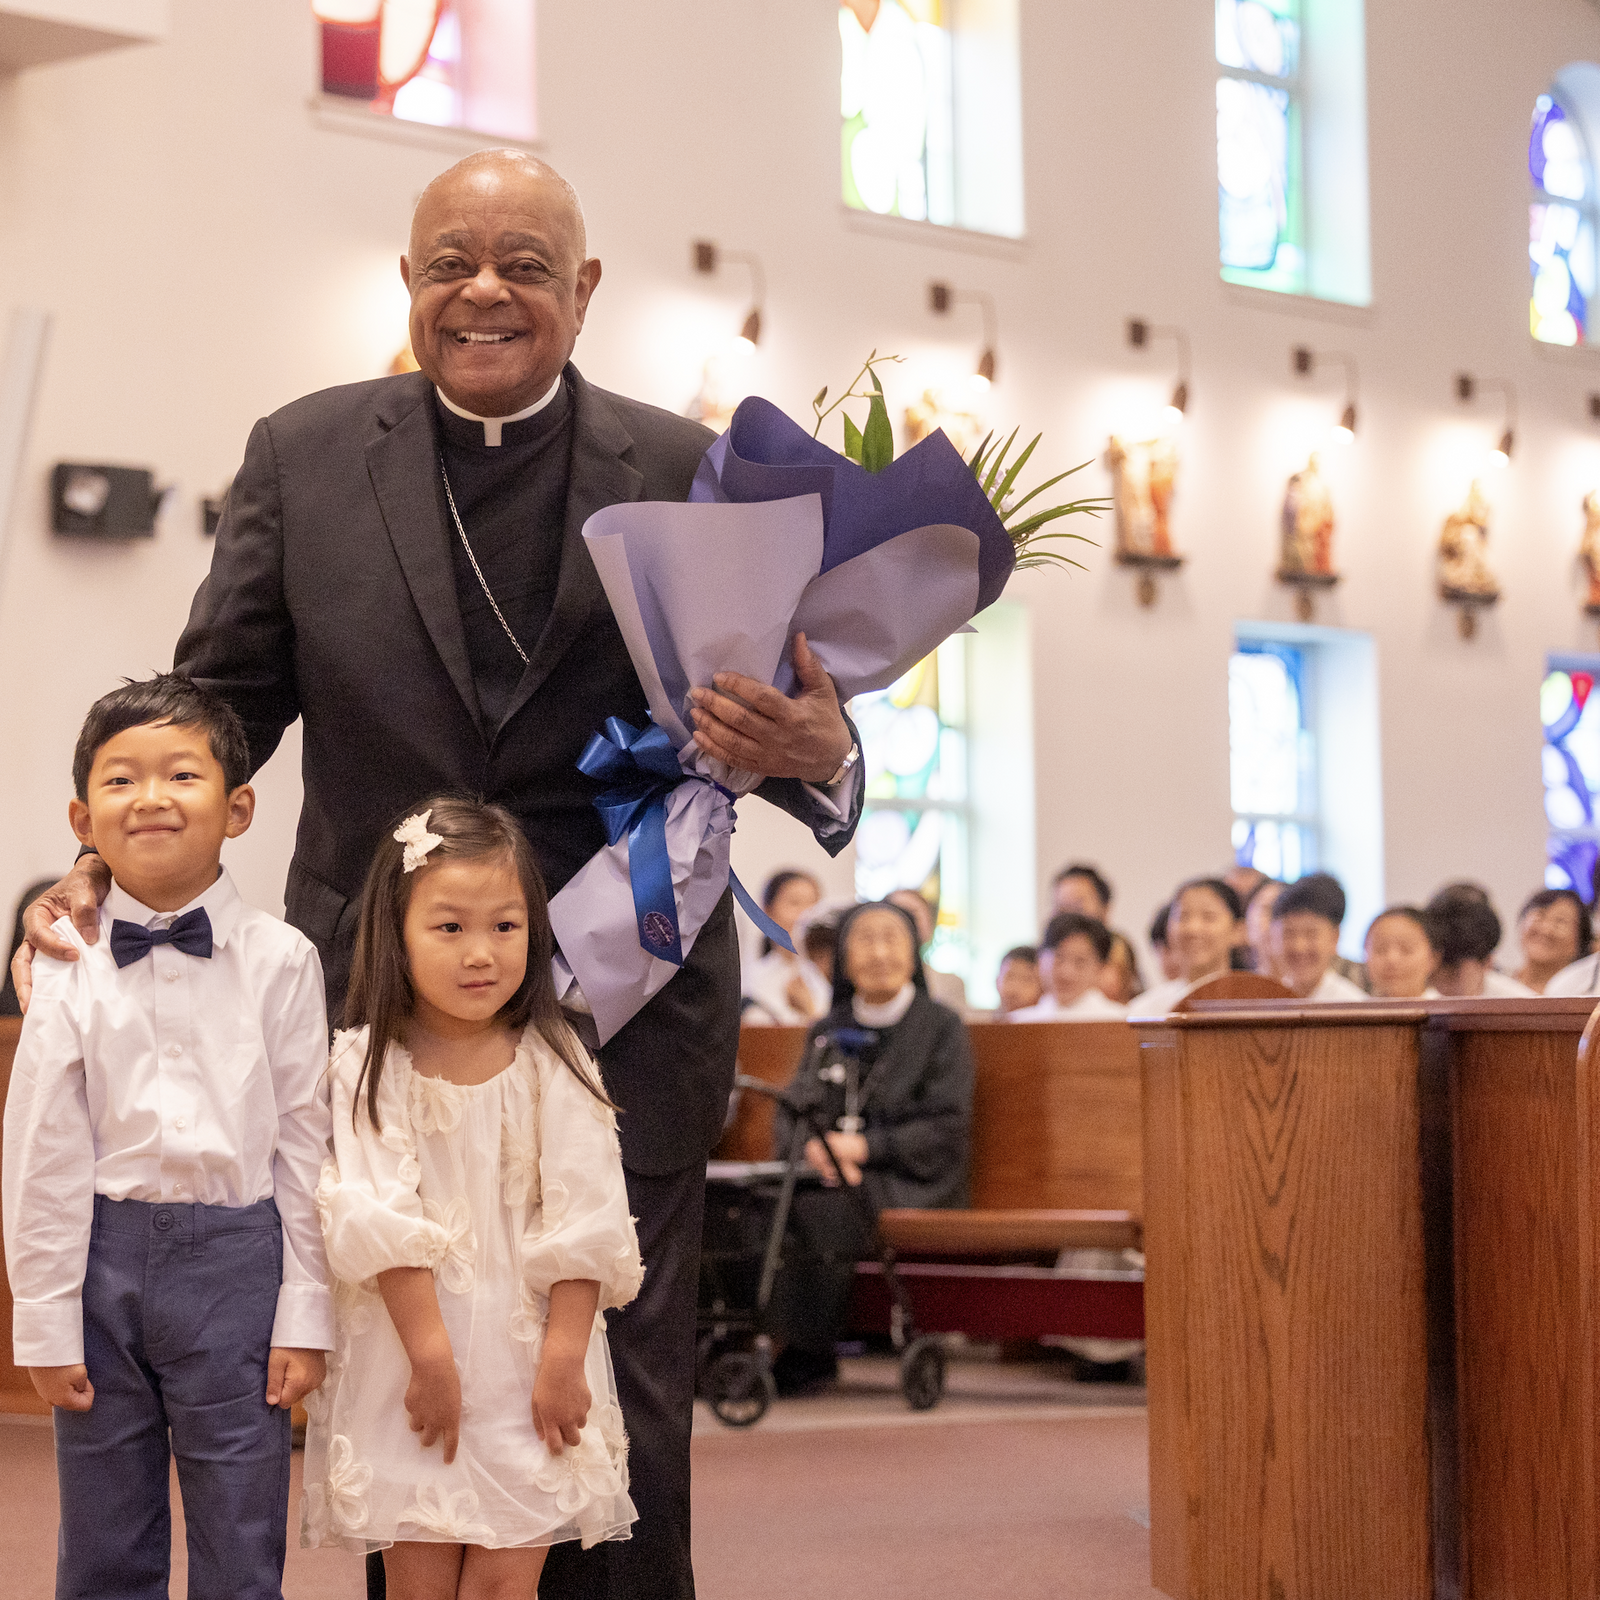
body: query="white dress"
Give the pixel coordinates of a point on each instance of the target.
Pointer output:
(502, 1189)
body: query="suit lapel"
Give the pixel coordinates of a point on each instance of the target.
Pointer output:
(403, 464)
(598, 477)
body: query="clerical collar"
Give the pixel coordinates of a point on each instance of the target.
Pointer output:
(493, 425)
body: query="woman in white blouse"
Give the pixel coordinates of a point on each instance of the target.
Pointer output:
(1202, 930)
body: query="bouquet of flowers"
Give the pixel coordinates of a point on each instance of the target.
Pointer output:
(876, 560)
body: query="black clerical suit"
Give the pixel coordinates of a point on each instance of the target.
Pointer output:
(339, 593)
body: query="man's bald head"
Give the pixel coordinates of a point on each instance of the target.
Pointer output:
(496, 173)
(499, 279)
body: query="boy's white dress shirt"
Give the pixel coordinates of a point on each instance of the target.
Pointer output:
(1335, 987)
(175, 1078)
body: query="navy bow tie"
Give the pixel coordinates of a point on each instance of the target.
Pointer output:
(190, 933)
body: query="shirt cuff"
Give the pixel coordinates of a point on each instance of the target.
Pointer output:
(47, 1333)
(841, 801)
(305, 1318)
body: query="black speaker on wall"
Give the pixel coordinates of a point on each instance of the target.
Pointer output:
(97, 502)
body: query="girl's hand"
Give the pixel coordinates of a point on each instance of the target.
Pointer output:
(560, 1401)
(433, 1400)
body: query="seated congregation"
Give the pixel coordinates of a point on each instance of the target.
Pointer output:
(1083, 970)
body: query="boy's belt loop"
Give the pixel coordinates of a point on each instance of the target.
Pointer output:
(197, 1230)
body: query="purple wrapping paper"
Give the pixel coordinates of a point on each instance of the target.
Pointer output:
(781, 535)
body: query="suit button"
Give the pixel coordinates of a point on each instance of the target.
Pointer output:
(163, 1220)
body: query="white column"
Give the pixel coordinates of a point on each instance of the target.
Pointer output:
(19, 380)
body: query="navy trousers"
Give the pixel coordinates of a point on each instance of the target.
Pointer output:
(178, 1306)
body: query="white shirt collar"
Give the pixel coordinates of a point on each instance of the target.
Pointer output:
(221, 901)
(493, 425)
(886, 1013)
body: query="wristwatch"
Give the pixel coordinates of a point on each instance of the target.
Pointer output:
(852, 756)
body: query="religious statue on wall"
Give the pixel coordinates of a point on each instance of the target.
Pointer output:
(1589, 550)
(1143, 473)
(1305, 561)
(964, 428)
(1464, 575)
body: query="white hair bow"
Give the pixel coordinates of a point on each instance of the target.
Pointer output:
(413, 834)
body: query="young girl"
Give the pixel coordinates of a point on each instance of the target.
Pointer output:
(476, 1223)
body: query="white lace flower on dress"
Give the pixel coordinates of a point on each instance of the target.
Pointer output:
(345, 1482)
(627, 1271)
(581, 1473)
(456, 1264)
(413, 834)
(316, 1404)
(528, 1322)
(448, 1515)
(556, 1200)
(519, 1161)
(435, 1104)
(397, 1140)
(608, 1419)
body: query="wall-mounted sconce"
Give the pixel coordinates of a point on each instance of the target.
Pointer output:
(1140, 333)
(1303, 360)
(941, 297)
(1594, 405)
(98, 502)
(708, 257)
(1467, 388)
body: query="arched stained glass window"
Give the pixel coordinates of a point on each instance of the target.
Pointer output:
(914, 822)
(1570, 713)
(1270, 758)
(449, 63)
(896, 100)
(1562, 216)
(1259, 144)
(930, 111)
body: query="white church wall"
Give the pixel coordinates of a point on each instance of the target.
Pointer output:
(208, 250)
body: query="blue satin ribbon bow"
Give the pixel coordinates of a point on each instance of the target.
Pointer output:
(190, 933)
(640, 770)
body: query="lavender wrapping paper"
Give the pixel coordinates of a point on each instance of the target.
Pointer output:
(780, 535)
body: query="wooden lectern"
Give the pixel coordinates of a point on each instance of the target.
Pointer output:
(1370, 1301)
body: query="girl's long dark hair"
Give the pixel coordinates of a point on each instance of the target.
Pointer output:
(381, 995)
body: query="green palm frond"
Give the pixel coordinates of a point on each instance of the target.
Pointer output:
(997, 480)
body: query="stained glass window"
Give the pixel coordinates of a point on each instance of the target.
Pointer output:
(1561, 224)
(914, 822)
(1271, 760)
(1258, 144)
(1570, 712)
(449, 63)
(897, 103)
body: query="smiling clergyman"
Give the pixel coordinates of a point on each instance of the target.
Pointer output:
(400, 565)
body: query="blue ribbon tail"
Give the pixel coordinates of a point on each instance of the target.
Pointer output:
(650, 869)
(748, 905)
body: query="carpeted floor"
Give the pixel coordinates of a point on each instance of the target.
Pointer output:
(1019, 1485)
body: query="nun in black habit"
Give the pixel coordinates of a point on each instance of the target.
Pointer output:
(888, 1074)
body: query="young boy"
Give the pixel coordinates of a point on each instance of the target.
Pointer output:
(1018, 982)
(1079, 949)
(164, 1133)
(1305, 939)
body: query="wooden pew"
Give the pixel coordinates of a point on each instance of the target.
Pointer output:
(16, 1392)
(1055, 1114)
(1056, 1165)
(1374, 1316)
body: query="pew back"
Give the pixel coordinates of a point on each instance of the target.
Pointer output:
(1055, 1117)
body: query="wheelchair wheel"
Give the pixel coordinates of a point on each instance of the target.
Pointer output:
(740, 1388)
(922, 1373)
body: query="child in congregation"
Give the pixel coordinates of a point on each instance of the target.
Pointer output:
(164, 1131)
(1305, 939)
(1400, 955)
(1465, 931)
(1018, 982)
(477, 1223)
(1202, 928)
(1079, 948)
